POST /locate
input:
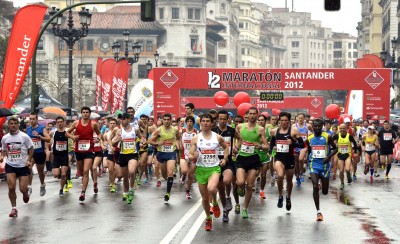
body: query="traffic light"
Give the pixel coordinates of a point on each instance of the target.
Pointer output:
(148, 11)
(36, 101)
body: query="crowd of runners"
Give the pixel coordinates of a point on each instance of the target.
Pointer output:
(224, 154)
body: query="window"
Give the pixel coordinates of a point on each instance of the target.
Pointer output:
(349, 45)
(295, 65)
(175, 13)
(223, 10)
(149, 46)
(40, 45)
(193, 44)
(42, 70)
(64, 68)
(295, 55)
(240, 25)
(194, 13)
(80, 45)
(295, 44)
(60, 45)
(243, 51)
(319, 45)
(142, 72)
(354, 45)
(337, 45)
(160, 13)
(337, 54)
(355, 55)
(85, 71)
(222, 59)
(349, 54)
(140, 42)
(89, 45)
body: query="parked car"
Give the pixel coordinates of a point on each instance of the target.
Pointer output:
(395, 119)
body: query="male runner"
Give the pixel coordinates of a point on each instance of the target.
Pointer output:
(387, 138)
(300, 153)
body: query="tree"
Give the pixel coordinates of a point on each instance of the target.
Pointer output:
(7, 10)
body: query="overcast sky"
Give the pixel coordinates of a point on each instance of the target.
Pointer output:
(344, 20)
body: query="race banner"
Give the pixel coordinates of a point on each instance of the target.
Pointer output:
(107, 73)
(98, 82)
(21, 46)
(120, 81)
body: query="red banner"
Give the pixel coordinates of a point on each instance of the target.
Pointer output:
(107, 72)
(375, 83)
(120, 81)
(21, 46)
(98, 82)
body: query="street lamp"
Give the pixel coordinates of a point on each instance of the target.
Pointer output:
(116, 49)
(70, 36)
(156, 57)
(149, 66)
(392, 64)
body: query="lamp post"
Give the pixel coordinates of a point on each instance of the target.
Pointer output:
(70, 36)
(149, 66)
(392, 64)
(156, 58)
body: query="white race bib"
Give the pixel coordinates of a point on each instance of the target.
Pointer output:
(247, 147)
(37, 143)
(128, 144)
(61, 145)
(168, 147)
(186, 145)
(318, 152)
(369, 147)
(387, 136)
(15, 156)
(83, 145)
(208, 156)
(282, 146)
(343, 149)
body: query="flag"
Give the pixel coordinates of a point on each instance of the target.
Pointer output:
(119, 84)
(194, 46)
(21, 46)
(98, 82)
(107, 72)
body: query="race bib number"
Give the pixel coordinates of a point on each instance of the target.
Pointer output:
(343, 149)
(37, 143)
(186, 145)
(369, 147)
(61, 146)
(318, 152)
(128, 144)
(208, 156)
(83, 145)
(282, 146)
(15, 156)
(247, 147)
(167, 147)
(387, 136)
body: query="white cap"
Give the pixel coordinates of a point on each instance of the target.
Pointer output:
(371, 127)
(346, 120)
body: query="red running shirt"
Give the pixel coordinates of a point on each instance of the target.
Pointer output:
(85, 141)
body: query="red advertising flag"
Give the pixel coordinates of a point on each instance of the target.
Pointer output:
(21, 46)
(120, 81)
(107, 72)
(98, 82)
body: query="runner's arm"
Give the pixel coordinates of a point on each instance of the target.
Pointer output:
(264, 142)
(45, 136)
(298, 142)
(153, 138)
(192, 150)
(223, 145)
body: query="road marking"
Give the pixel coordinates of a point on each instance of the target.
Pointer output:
(193, 231)
(172, 233)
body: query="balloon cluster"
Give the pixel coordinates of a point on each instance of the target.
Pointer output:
(332, 111)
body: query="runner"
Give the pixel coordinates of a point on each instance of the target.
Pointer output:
(248, 161)
(39, 136)
(285, 138)
(204, 147)
(344, 140)
(98, 147)
(144, 149)
(321, 147)
(83, 138)
(189, 109)
(300, 153)
(228, 171)
(112, 154)
(370, 144)
(387, 140)
(19, 150)
(166, 139)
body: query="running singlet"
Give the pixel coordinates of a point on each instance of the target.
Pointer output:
(303, 131)
(96, 145)
(186, 139)
(319, 148)
(386, 138)
(128, 143)
(168, 138)
(60, 143)
(17, 147)
(344, 144)
(370, 143)
(38, 144)
(249, 138)
(208, 151)
(228, 135)
(85, 141)
(284, 150)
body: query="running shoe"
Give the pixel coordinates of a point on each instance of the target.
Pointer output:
(225, 216)
(138, 182)
(288, 204)
(342, 186)
(113, 189)
(146, 181)
(217, 211)
(69, 183)
(66, 189)
(43, 190)
(258, 179)
(188, 196)
(280, 202)
(208, 226)
(320, 217)
(182, 180)
(301, 178)
(237, 209)
(25, 197)
(130, 196)
(211, 210)
(14, 213)
(30, 190)
(387, 177)
(262, 195)
(241, 192)
(95, 189)
(245, 215)
(298, 182)
(228, 204)
(158, 183)
(124, 196)
(82, 197)
(354, 177)
(166, 197)
(376, 175)
(61, 193)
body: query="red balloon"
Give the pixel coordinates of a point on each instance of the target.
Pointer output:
(266, 114)
(242, 108)
(221, 98)
(344, 118)
(241, 97)
(276, 111)
(332, 111)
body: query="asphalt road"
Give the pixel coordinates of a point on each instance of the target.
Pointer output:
(362, 213)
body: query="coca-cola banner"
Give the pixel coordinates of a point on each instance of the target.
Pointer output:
(120, 81)
(98, 82)
(107, 72)
(21, 46)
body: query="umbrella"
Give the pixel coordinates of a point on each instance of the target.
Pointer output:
(4, 112)
(94, 115)
(54, 110)
(52, 115)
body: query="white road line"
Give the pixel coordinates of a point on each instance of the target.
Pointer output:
(193, 231)
(172, 233)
